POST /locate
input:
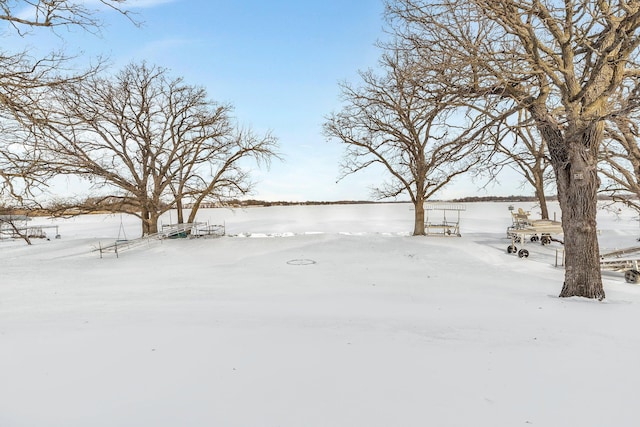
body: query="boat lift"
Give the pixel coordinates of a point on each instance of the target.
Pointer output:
(524, 228)
(169, 231)
(619, 260)
(447, 226)
(16, 226)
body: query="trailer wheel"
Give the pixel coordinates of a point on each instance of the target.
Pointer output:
(631, 276)
(535, 238)
(545, 240)
(523, 253)
(511, 249)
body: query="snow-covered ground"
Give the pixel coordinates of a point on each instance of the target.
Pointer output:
(313, 316)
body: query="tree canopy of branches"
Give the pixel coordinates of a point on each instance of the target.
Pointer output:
(24, 15)
(620, 164)
(397, 120)
(149, 140)
(563, 62)
(517, 145)
(22, 77)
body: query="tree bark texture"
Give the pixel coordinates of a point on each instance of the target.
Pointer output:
(418, 227)
(149, 221)
(575, 166)
(179, 210)
(542, 199)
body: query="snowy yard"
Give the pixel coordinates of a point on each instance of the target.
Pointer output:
(313, 316)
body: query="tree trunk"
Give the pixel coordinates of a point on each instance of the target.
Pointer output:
(149, 221)
(573, 154)
(418, 225)
(542, 199)
(153, 222)
(144, 214)
(179, 209)
(194, 211)
(577, 183)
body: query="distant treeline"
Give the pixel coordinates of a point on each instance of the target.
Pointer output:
(501, 199)
(470, 199)
(60, 210)
(257, 203)
(529, 198)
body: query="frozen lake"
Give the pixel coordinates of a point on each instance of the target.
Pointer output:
(312, 316)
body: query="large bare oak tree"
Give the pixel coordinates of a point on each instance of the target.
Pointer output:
(148, 140)
(398, 120)
(562, 62)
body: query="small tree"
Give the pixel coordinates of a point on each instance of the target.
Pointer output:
(397, 121)
(221, 177)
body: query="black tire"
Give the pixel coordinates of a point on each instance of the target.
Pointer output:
(545, 240)
(511, 249)
(523, 253)
(631, 276)
(535, 238)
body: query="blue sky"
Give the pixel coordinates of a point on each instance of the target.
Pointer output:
(277, 62)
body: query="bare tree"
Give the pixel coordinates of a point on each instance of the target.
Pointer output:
(398, 121)
(23, 174)
(147, 140)
(518, 146)
(562, 62)
(620, 164)
(223, 178)
(620, 154)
